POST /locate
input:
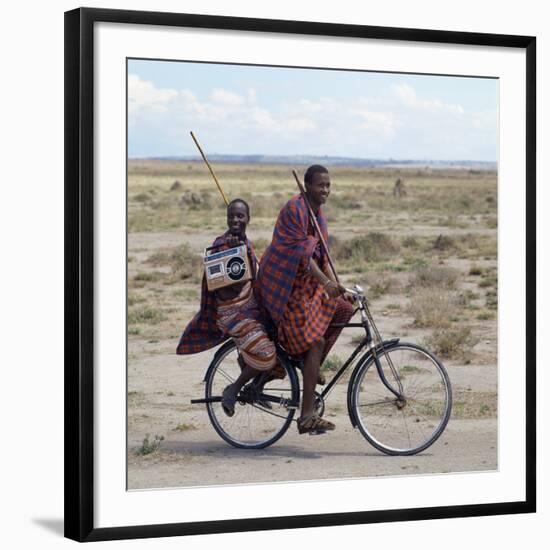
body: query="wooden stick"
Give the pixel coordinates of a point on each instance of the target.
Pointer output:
(210, 168)
(216, 180)
(316, 225)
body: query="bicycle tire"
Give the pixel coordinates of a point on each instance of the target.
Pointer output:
(409, 426)
(253, 426)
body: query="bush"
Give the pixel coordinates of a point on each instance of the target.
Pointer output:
(142, 197)
(409, 242)
(331, 363)
(431, 308)
(451, 343)
(379, 285)
(433, 276)
(148, 446)
(147, 315)
(476, 270)
(372, 247)
(149, 276)
(185, 263)
(444, 242)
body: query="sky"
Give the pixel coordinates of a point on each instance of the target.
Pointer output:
(244, 110)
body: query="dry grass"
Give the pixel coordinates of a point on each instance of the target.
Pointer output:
(145, 315)
(432, 308)
(434, 277)
(373, 247)
(185, 264)
(379, 284)
(456, 343)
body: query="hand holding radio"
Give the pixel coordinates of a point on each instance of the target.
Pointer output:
(233, 240)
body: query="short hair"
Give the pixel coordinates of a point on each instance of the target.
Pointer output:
(242, 201)
(312, 170)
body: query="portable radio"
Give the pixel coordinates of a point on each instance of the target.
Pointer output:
(227, 267)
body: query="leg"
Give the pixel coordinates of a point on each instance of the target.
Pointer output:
(259, 351)
(310, 373)
(309, 422)
(230, 393)
(342, 314)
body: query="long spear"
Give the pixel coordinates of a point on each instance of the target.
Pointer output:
(316, 225)
(215, 179)
(210, 168)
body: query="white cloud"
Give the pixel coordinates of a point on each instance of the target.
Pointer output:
(408, 96)
(225, 97)
(144, 94)
(397, 124)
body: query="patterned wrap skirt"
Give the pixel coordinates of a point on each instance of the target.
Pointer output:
(308, 315)
(240, 318)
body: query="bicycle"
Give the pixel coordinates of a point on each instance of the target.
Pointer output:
(399, 395)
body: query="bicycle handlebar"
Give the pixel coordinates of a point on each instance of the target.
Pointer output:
(356, 291)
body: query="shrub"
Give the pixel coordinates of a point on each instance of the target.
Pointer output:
(379, 284)
(444, 242)
(488, 280)
(372, 247)
(433, 276)
(149, 276)
(142, 197)
(331, 363)
(452, 343)
(183, 427)
(150, 446)
(409, 242)
(147, 315)
(431, 308)
(184, 263)
(484, 316)
(491, 299)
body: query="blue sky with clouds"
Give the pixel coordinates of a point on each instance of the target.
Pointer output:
(283, 111)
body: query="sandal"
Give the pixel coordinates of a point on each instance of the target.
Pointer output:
(228, 401)
(314, 425)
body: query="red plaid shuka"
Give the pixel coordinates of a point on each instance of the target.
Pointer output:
(202, 332)
(291, 295)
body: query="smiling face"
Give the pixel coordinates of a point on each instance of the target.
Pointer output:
(318, 189)
(237, 219)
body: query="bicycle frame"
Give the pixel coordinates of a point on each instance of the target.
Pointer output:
(366, 343)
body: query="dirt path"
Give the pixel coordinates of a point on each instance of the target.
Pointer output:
(159, 399)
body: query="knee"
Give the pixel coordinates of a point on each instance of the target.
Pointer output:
(347, 310)
(320, 344)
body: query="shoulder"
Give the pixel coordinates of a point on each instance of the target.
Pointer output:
(295, 206)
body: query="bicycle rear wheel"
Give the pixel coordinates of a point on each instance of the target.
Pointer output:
(260, 419)
(411, 423)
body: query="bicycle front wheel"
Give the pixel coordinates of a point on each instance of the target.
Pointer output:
(263, 412)
(412, 421)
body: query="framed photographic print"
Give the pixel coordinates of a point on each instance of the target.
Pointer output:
(284, 229)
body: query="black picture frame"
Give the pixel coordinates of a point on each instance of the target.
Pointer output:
(79, 269)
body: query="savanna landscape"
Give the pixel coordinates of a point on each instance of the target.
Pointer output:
(426, 256)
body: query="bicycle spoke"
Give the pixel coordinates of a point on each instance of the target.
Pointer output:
(409, 425)
(252, 425)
